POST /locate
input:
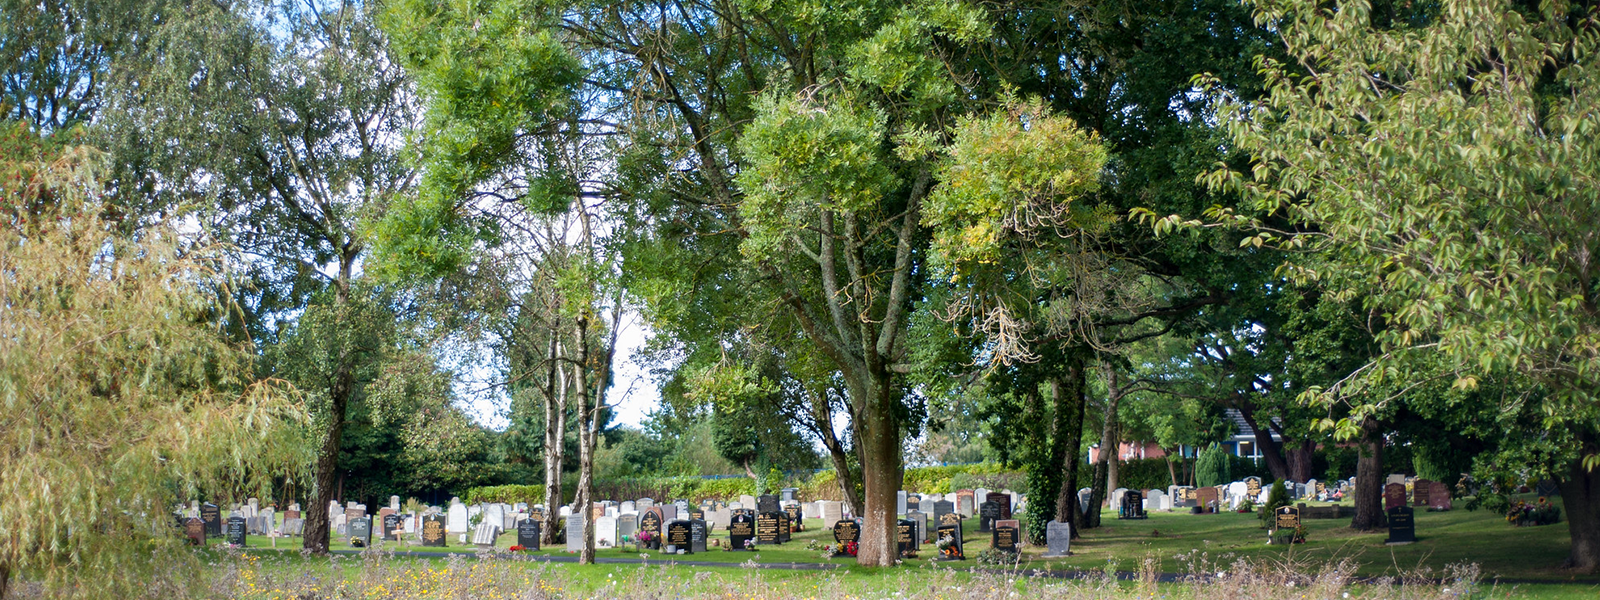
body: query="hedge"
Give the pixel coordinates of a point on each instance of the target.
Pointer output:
(509, 494)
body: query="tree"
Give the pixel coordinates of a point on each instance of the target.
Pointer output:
(1442, 158)
(314, 111)
(123, 397)
(55, 56)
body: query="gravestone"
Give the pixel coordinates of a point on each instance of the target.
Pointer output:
(575, 533)
(1183, 496)
(483, 534)
(1158, 500)
(900, 502)
(1322, 489)
(964, 503)
(1132, 505)
(906, 536)
(1394, 495)
(651, 522)
(434, 531)
(1058, 539)
(1085, 497)
(683, 507)
(913, 502)
(1116, 499)
(697, 535)
(948, 535)
(1439, 496)
(1420, 491)
(847, 531)
(669, 512)
(741, 529)
(1005, 537)
(1206, 499)
(391, 527)
(537, 513)
(509, 518)
(767, 503)
(1284, 522)
(212, 515)
(627, 526)
(921, 518)
(1402, 525)
(784, 527)
(1004, 501)
(237, 531)
(1547, 488)
(528, 534)
(787, 494)
(941, 509)
(627, 507)
(697, 513)
(767, 527)
(747, 501)
(1252, 486)
(644, 504)
(456, 519)
(361, 531)
(605, 532)
(831, 510)
(988, 513)
(678, 538)
(797, 516)
(1237, 493)
(194, 528)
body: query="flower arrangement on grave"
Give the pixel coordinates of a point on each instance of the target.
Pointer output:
(850, 548)
(750, 544)
(1522, 513)
(517, 548)
(948, 548)
(1247, 506)
(645, 537)
(1300, 534)
(356, 542)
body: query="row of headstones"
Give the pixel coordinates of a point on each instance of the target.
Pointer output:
(967, 503)
(912, 534)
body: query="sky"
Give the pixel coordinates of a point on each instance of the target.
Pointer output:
(634, 394)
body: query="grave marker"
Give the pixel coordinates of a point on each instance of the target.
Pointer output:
(988, 513)
(1132, 505)
(575, 533)
(948, 534)
(650, 522)
(741, 528)
(528, 534)
(1004, 501)
(767, 528)
(1005, 537)
(906, 536)
(1394, 495)
(1439, 496)
(1402, 525)
(391, 527)
(212, 515)
(1420, 492)
(847, 531)
(237, 531)
(195, 529)
(679, 538)
(433, 531)
(361, 531)
(697, 535)
(1206, 499)
(1058, 539)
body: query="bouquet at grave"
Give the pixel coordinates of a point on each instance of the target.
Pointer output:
(645, 537)
(850, 548)
(517, 548)
(750, 544)
(947, 547)
(356, 542)
(1247, 506)
(1300, 534)
(829, 551)
(1523, 513)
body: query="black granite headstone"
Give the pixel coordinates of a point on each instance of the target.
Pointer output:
(650, 522)
(1132, 505)
(1402, 525)
(391, 527)
(988, 513)
(767, 503)
(785, 527)
(697, 535)
(1004, 501)
(237, 531)
(433, 532)
(679, 537)
(1004, 539)
(528, 533)
(213, 518)
(906, 535)
(846, 531)
(361, 532)
(951, 549)
(767, 528)
(741, 529)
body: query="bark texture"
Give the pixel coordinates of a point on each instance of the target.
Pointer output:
(1580, 500)
(1369, 479)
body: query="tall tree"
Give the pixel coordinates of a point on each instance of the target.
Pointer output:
(1444, 155)
(123, 396)
(282, 125)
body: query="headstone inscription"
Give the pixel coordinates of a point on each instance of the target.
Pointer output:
(1402, 525)
(697, 513)
(1005, 537)
(741, 529)
(964, 503)
(906, 535)
(988, 513)
(1420, 492)
(391, 527)
(1182, 496)
(767, 524)
(1252, 486)
(212, 515)
(1394, 495)
(433, 530)
(194, 528)
(948, 539)
(797, 517)
(1285, 521)
(1004, 501)
(627, 527)
(784, 527)
(678, 539)
(575, 533)
(846, 531)
(650, 523)
(921, 518)
(1132, 505)
(528, 534)
(361, 532)
(237, 531)
(1206, 499)
(767, 503)
(697, 535)
(941, 509)
(1058, 539)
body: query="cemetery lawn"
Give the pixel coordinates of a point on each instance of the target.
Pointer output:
(1181, 542)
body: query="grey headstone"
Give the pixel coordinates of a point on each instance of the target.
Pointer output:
(1058, 539)
(575, 533)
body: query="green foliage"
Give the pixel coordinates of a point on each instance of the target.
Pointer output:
(1213, 467)
(509, 494)
(1277, 497)
(122, 396)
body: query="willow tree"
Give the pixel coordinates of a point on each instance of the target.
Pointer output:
(1443, 158)
(122, 394)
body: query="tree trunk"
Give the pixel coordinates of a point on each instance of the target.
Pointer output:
(822, 417)
(1068, 436)
(5, 579)
(1580, 499)
(555, 439)
(1111, 437)
(1172, 471)
(1271, 450)
(588, 413)
(881, 476)
(316, 533)
(1369, 479)
(1299, 459)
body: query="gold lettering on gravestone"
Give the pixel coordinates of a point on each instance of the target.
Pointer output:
(950, 519)
(1288, 518)
(678, 536)
(1005, 538)
(767, 528)
(432, 532)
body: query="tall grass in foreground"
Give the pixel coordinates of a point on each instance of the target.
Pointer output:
(495, 577)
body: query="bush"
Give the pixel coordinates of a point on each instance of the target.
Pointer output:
(1277, 498)
(509, 494)
(1212, 468)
